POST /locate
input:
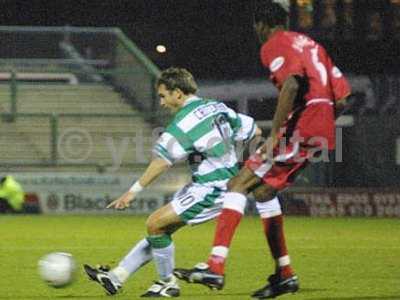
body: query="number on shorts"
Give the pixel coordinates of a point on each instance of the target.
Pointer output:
(186, 200)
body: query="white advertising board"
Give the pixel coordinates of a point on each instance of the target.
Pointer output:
(90, 193)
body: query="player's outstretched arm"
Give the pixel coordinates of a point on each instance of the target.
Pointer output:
(153, 171)
(156, 167)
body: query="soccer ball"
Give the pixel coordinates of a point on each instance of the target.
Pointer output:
(57, 269)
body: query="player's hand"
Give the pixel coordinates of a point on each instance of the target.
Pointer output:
(123, 201)
(267, 150)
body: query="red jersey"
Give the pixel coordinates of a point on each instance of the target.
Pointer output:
(310, 128)
(290, 53)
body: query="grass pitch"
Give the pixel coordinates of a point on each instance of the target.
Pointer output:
(336, 259)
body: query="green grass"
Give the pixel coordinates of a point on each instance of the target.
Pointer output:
(336, 259)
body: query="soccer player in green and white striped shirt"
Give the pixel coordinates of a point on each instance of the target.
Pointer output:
(203, 132)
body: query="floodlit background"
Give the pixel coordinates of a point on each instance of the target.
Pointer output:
(79, 115)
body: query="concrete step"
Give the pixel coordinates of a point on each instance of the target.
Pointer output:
(28, 139)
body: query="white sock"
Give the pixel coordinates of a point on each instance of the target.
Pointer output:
(136, 258)
(220, 251)
(164, 258)
(283, 261)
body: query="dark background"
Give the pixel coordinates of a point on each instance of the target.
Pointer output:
(215, 38)
(212, 38)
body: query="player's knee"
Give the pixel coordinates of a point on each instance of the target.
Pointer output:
(264, 194)
(153, 226)
(236, 185)
(243, 182)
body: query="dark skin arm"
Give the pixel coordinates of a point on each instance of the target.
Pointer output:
(286, 100)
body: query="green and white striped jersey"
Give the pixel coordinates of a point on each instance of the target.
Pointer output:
(204, 131)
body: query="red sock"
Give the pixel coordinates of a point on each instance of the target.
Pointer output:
(227, 222)
(216, 264)
(273, 229)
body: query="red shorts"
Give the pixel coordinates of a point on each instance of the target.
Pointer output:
(312, 132)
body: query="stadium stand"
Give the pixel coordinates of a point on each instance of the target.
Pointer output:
(44, 98)
(65, 110)
(96, 117)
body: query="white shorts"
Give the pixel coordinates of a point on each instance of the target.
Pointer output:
(195, 203)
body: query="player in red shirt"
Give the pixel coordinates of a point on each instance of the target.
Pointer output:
(311, 89)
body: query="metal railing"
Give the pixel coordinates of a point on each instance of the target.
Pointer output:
(92, 54)
(47, 139)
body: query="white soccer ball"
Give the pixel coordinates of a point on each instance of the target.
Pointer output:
(57, 269)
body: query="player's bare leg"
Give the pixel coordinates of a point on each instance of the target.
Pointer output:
(163, 221)
(283, 280)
